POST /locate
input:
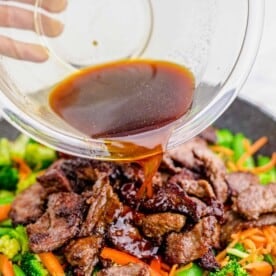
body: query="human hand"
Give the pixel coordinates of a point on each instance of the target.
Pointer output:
(20, 18)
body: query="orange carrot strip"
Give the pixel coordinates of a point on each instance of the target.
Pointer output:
(51, 262)
(223, 150)
(246, 144)
(165, 267)
(24, 169)
(5, 266)
(173, 269)
(266, 167)
(232, 166)
(122, 258)
(254, 148)
(4, 211)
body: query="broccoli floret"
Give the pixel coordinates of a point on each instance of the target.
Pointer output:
(9, 246)
(232, 268)
(38, 156)
(8, 178)
(26, 183)
(32, 266)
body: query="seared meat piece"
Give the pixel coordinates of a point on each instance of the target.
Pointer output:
(58, 224)
(209, 135)
(82, 254)
(183, 248)
(240, 181)
(257, 200)
(169, 197)
(157, 225)
(183, 156)
(234, 223)
(28, 206)
(75, 175)
(104, 207)
(127, 238)
(208, 261)
(126, 270)
(215, 170)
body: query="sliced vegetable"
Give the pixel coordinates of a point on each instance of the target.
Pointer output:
(4, 211)
(9, 246)
(270, 175)
(18, 146)
(18, 271)
(26, 182)
(224, 137)
(269, 258)
(5, 266)
(236, 252)
(5, 156)
(193, 270)
(51, 262)
(24, 169)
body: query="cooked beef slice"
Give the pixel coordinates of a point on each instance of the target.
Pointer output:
(126, 270)
(234, 223)
(169, 197)
(58, 224)
(28, 206)
(257, 200)
(183, 156)
(157, 225)
(104, 207)
(182, 248)
(83, 253)
(215, 171)
(209, 135)
(208, 261)
(124, 236)
(240, 181)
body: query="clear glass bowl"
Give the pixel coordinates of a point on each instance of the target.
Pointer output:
(216, 39)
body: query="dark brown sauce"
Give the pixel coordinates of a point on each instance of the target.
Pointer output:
(131, 105)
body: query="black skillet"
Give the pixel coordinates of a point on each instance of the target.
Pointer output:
(240, 117)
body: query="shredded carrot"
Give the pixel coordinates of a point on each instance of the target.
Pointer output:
(266, 167)
(246, 144)
(4, 211)
(223, 150)
(254, 148)
(123, 258)
(5, 266)
(249, 244)
(232, 166)
(24, 169)
(173, 269)
(51, 262)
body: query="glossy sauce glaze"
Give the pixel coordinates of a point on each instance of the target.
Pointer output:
(121, 101)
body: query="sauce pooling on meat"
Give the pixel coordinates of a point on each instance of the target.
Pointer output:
(125, 101)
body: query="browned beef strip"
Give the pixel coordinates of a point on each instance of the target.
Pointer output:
(127, 238)
(104, 207)
(157, 225)
(183, 156)
(58, 224)
(240, 181)
(209, 135)
(82, 254)
(183, 248)
(257, 200)
(234, 222)
(169, 197)
(126, 270)
(28, 206)
(208, 261)
(215, 170)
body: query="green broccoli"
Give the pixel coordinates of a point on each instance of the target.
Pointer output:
(32, 266)
(9, 177)
(232, 268)
(26, 183)
(9, 246)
